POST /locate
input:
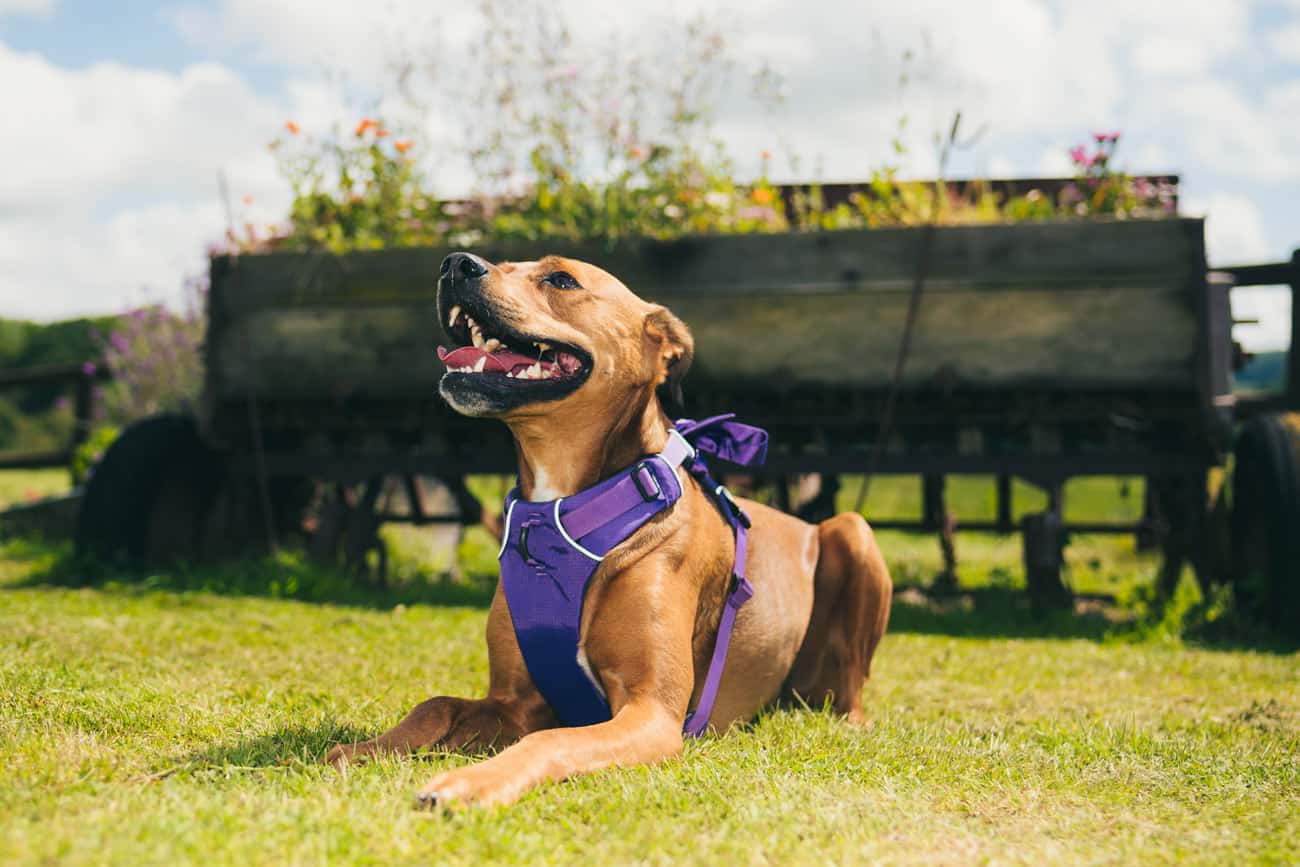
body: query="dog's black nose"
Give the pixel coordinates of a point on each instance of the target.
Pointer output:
(463, 265)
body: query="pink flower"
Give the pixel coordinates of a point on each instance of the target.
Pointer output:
(1103, 137)
(1079, 156)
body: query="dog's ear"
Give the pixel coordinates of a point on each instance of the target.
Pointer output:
(671, 349)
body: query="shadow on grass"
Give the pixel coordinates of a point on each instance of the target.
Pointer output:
(990, 612)
(1007, 613)
(287, 575)
(291, 745)
(993, 613)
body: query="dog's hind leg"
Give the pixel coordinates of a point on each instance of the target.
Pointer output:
(851, 598)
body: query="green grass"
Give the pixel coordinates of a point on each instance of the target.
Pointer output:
(178, 717)
(20, 486)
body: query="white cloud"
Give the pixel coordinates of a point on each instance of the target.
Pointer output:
(1285, 43)
(118, 180)
(29, 7)
(1000, 167)
(1054, 162)
(1234, 228)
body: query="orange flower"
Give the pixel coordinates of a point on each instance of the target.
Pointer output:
(636, 153)
(403, 145)
(762, 196)
(248, 199)
(292, 127)
(366, 124)
(380, 132)
(767, 155)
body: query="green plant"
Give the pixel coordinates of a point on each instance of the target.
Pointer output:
(571, 141)
(89, 453)
(154, 355)
(353, 191)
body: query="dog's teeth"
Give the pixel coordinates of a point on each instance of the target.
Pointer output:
(491, 344)
(510, 374)
(477, 337)
(453, 315)
(535, 372)
(480, 364)
(542, 347)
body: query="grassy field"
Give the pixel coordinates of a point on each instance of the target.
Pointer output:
(20, 486)
(179, 717)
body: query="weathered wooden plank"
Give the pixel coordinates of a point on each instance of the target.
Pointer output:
(1105, 253)
(1094, 337)
(328, 353)
(1107, 305)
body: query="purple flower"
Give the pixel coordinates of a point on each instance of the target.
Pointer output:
(88, 368)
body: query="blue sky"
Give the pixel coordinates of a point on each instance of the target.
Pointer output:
(122, 113)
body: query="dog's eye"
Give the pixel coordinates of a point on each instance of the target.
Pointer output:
(561, 280)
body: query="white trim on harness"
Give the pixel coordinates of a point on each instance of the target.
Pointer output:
(565, 533)
(505, 531)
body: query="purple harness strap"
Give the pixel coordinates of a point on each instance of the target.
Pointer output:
(551, 549)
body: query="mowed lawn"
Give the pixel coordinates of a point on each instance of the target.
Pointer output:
(179, 718)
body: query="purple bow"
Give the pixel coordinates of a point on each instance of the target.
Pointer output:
(729, 440)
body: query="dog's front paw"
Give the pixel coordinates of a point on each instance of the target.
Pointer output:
(464, 787)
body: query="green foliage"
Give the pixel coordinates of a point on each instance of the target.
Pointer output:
(39, 417)
(89, 453)
(354, 192)
(583, 146)
(155, 356)
(574, 142)
(28, 344)
(367, 194)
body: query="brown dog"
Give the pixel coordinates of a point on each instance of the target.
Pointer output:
(821, 593)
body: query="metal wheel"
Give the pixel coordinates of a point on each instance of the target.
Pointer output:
(1266, 520)
(146, 500)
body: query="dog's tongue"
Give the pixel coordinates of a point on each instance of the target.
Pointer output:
(503, 361)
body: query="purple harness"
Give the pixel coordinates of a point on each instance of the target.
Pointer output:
(551, 549)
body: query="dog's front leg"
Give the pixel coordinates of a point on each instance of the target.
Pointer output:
(639, 641)
(446, 722)
(512, 708)
(642, 732)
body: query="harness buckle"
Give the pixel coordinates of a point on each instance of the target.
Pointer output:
(646, 483)
(523, 542)
(739, 592)
(740, 513)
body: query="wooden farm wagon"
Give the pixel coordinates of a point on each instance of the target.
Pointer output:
(1040, 351)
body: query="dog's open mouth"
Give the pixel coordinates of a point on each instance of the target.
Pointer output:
(491, 351)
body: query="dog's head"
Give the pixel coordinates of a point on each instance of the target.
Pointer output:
(529, 335)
